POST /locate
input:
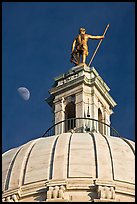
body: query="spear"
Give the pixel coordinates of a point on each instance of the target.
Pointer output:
(98, 45)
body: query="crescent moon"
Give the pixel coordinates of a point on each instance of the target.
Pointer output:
(24, 93)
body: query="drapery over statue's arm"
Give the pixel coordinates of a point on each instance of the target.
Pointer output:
(73, 45)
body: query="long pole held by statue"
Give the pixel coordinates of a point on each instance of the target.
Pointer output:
(98, 45)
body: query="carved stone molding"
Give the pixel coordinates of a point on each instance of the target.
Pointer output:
(106, 192)
(55, 192)
(11, 198)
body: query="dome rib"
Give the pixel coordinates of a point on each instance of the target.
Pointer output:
(95, 152)
(61, 157)
(123, 159)
(19, 165)
(52, 158)
(68, 162)
(112, 165)
(80, 166)
(104, 157)
(130, 144)
(41, 153)
(9, 173)
(11, 159)
(25, 162)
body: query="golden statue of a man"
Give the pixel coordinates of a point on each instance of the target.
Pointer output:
(80, 47)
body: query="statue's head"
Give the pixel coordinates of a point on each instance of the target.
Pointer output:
(82, 30)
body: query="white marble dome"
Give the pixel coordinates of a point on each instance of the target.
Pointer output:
(70, 167)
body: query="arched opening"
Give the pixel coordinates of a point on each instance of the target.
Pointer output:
(69, 114)
(100, 125)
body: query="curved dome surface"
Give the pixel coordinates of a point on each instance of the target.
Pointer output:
(78, 159)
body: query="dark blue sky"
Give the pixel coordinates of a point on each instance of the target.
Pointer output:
(36, 47)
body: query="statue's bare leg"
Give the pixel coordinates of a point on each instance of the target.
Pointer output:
(83, 58)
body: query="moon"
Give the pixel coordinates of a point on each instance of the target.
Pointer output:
(24, 93)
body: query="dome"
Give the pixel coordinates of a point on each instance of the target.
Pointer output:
(70, 167)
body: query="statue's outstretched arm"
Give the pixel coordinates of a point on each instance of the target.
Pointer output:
(96, 37)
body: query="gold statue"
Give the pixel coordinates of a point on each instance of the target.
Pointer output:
(80, 47)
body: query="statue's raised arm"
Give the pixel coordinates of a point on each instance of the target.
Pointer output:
(96, 37)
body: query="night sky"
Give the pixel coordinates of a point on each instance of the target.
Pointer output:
(36, 47)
